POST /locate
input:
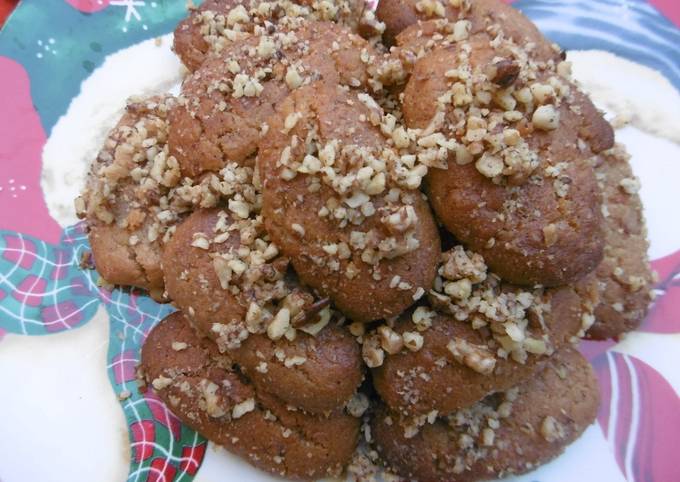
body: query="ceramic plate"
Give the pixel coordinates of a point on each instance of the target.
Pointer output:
(70, 409)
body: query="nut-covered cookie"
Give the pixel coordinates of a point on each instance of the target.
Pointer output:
(493, 337)
(317, 373)
(201, 388)
(200, 33)
(517, 185)
(232, 285)
(224, 105)
(624, 276)
(506, 433)
(475, 16)
(216, 24)
(121, 199)
(343, 204)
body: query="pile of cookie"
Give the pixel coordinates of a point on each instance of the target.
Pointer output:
(381, 230)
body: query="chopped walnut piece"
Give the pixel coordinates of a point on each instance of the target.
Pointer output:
(422, 317)
(277, 328)
(630, 185)
(240, 409)
(546, 118)
(161, 382)
(179, 345)
(211, 402)
(477, 357)
(550, 234)
(552, 430)
(358, 405)
(412, 340)
(372, 353)
(390, 340)
(506, 73)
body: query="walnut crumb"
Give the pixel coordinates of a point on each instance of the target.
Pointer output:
(179, 345)
(476, 357)
(240, 409)
(552, 430)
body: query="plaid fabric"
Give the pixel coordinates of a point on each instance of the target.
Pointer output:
(44, 290)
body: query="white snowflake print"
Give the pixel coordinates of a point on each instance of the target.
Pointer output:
(131, 7)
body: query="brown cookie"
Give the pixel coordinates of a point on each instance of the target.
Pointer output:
(460, 362)
(192, 282)
(504, 434)
(625, 278)
(197, 35)
(316, 373)
(482, 15)
(331, 203)
(518, 186)
(121, 199)
(201, 388)
(215, 24)
(225, 103)
(318, 369)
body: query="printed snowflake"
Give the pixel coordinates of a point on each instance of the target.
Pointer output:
(131, 8)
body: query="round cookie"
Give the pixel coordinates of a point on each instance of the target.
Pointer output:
(192, 282)
(495, 338)
(625, 278)
(215, 24)
(198, 35)
(224, 104)
(318, 370)
(200, 387)
(518, 186)
(121, 199)
(505, 434)
(350, 232)
(482, 15)
(317, 373)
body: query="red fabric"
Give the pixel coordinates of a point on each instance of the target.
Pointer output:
(6, 7)
(670, 8)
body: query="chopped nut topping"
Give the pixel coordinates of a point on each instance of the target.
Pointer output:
(358, 405)
(474, 356)
(161, 382)
(390, 340)
(211, 402)
(630, 185)
(279, 324)
(546, 118)
(422, 317)
(412, 340)
(179, 345)
(240, 409)
(550, 234)
(552, 430)
(371, 352)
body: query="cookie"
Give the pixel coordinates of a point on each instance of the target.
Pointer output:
(336, 200)
(518, 186)
(477, 15)
(215, 24)
(312, 363)
(192, 281)
(200, 387)
(198, 34)
(493, 337)
(224, 104)
(316, 373)
(509, 433)
(121, 199)
(625, 277)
